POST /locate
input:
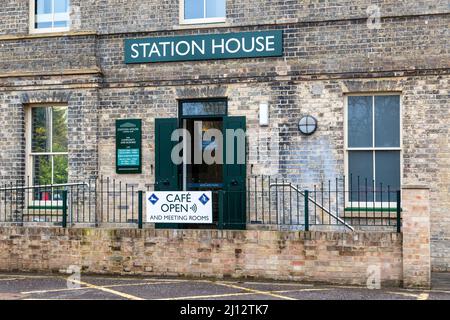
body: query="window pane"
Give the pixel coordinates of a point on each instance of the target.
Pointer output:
(204, 108)
(387, 170)
(42, 175)
(43, 6)
(61, 6)
(60, 24)
(40, 140)
(387, 121)
(360, 121)
(61, 20)
(42, 170)
(60, 169)
(215, 8)
(194, 9)
(59, 138)
(360, 169)
(44, 18)
(43, 25)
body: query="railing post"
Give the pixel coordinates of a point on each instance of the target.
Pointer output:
(64, 208)
(306, 210)
(140, 208)
(399, 210)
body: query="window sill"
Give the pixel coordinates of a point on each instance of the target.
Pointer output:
(201, 23)
(49, 30)
(203, 20)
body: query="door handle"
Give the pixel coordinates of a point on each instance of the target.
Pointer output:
(166, 182)
(234, 182)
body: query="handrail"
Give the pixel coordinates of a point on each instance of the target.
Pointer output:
(313, 201)
(13, 187)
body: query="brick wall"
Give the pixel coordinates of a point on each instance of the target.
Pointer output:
(325, 58)
(108, 16)
(48, 55)
(416, 236)
(306, 256)
(361, 258)
(14, 16)
(335, 49)
(300, 159)
(12, 138)
(83, 131)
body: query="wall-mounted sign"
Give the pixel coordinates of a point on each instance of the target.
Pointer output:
(128, 146)
(179, 207)
(205, 47)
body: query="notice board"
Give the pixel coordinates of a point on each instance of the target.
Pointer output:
(128, 146)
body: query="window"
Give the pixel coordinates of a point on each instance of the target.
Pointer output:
(204, 108)
(47, 148)
(202, 11)
(373, 147)
(50, 15)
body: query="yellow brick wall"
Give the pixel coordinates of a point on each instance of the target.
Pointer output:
(331, 257)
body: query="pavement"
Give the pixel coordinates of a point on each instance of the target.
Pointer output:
(89, 287)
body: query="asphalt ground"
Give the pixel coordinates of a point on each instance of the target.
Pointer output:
(63, 287)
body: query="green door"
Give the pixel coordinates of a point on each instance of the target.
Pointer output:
(233, 211)
(166, 172)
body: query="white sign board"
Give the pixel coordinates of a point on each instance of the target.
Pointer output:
(179, 207)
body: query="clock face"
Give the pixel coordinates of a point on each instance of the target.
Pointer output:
(307, 125)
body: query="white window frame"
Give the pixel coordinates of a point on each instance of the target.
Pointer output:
(200, 20)
(29, 154)
(34, 30)
(384, 204)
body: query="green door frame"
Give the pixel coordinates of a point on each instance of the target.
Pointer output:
(235, 175)
(166, 174)
(222, 116)
(224, 222)
(181, 117)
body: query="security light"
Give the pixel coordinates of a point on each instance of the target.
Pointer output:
(307, 125)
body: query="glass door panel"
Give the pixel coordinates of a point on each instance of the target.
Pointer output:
(197, 174)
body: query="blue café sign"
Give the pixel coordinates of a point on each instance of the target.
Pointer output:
(205, 47)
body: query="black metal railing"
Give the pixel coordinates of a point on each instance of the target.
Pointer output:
(268, 202)
(276, 201)
(95, 202)
(20, 203)
(117, 202)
